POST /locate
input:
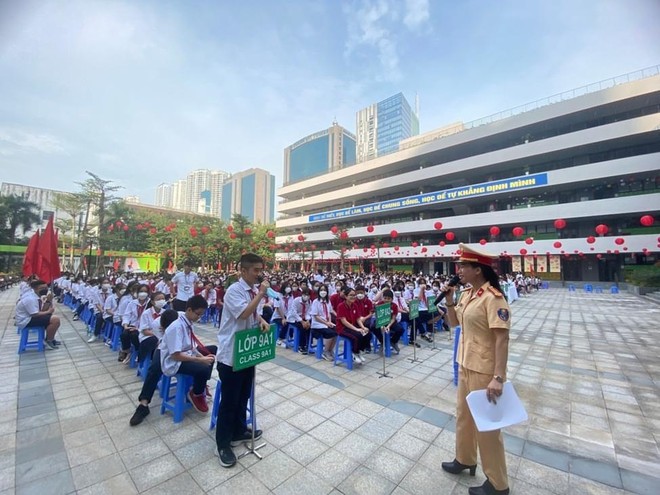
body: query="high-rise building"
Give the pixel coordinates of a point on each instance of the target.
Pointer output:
(250, 193)
(196, 183)
(218, 178)
(132, 199)
(381, 126)
(164, 195)
(319, 153)
(178, 201)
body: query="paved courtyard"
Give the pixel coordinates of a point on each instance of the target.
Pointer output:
(585, 365)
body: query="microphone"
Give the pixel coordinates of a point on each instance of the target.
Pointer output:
(452, 283)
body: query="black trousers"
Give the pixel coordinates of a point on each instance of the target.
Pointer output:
(127, 338)
(303, 333)
(147, 347)
(359, 342)
(178, 304)
(98, 326)
(396, 331)
(200, 372)
(236, 390)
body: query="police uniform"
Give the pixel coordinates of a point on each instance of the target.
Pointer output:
(479, 310)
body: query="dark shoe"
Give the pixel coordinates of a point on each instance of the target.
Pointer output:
(246, 438)
(455, 467)
(487, 489)
(122, 356)
(56, 342)
(396, 348)
(227, 457)
(50, 344)
(140, 413)
(198, 402)
(303, 351)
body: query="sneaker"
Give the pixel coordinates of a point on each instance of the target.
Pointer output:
(138, 416)
(327, 356)
(227, 457)
(127, 359)
(198, 402)
(281, 343)
(91, 339)
(121, 356)
(367, 350)
(396, 348)
(356, 359)
(75, 318)
(416, 344)
(56, 342)
(50, 344)
(303, 351)
(246, 438)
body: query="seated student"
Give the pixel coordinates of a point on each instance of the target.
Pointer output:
(149, 333)
(366, 309)
(35, 309)
(322, 325)
(131, 322)
(99, 296)
(179, 352)
(393, 327)
(211, 297)
(423, 292)
(349, 325)
(300, 317)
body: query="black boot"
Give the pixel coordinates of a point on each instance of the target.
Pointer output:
(487, 489)
(455, 467)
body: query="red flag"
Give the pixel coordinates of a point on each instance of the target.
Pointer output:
(50, 261)
(219, 266)
(115, 265)
(170, 265)
(31, 259)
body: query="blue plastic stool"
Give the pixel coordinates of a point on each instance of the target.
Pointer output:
(388, 343)
(25, 342)
(216, 408)
(614, 289)
(133, 363)
(571, 288)
(117, 329)
(346, 356)
(293, 342)
(598, 289)
(107, 331)
(143, 368)
(457, 338)
(588, 288)
(406, 336)
(316, 349)
(177, 403)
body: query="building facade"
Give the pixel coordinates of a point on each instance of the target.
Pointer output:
(250, 193)
(200, 192)
(319, 153)
(587, 160)
(381, 126)
(164, 195)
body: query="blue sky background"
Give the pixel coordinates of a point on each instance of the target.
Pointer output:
(142, 92)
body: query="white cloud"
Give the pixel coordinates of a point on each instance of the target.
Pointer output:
(29, 142)
(417, 13)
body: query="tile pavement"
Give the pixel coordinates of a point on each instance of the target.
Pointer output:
(584, 364)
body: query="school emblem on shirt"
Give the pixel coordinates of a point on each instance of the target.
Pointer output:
(503, 314)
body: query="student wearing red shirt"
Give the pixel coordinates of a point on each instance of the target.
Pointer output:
(393, 328)
(349, 325)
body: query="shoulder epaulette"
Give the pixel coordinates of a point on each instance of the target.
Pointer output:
(495, 291)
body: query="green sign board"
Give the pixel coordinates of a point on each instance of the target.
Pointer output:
(253, 346)
(432, 307)
(383, 315)
(414, 309)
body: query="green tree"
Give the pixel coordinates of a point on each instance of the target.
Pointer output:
(18, 212)
(71, 204)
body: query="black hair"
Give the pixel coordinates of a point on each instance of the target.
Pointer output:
(168, 317)
(388, 293)
(346, 290)
(324, 287)
(197, 302)
(489, 274)
(249, 259)
(37, 283)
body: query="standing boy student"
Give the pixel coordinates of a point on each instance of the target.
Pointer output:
(240, 312)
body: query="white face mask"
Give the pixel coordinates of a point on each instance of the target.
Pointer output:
(323, 293)
(305, 298)
(360, 296)
(287, 290)
(411, 287)
(374, 290)
(105, 286)
(159, 304)
(397, 293)
(122, 291)
(142, 295)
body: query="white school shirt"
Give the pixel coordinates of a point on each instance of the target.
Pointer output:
(177, 338)
(110, 305)
(122, 304)
(99, 298)
(147, 321)
(185, 285)
(210, 296)
(322, 309)
(27, 305)
(163, 287)
(299, 310)
(133, 312)
(277, 303)
(237, 298)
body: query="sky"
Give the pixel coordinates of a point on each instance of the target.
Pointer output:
(143, 92)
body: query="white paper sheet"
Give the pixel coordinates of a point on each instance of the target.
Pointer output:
(488, 416)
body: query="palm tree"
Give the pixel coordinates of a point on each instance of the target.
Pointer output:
(19, 212)
(72, 204)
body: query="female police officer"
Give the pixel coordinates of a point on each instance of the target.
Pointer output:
(485, 319)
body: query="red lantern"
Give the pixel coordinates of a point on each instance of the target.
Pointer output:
(247, 231)
(125, 228)
(482, 242)
(230, 228)
(591, 239)
(394, 234)
(529, 241)
(343, 235)
(232, 235)
(450, 236)
(334, 230)
(599, 256)
(301, 237)
(111, 228)
(396, 248)
(414, 244)
(557, 244)
(518, 231)
(370, 228)
(386, 245)
(437, 225)
(313, 246)
(424, 250)
(442, 244)
(153, 230)
(193, 231)
(494, 230)
(602, 229)
(523, 251)
(363, 249)
(118, 223)
(560, 223)
(647, 220)
(373, 246)
(619, 240)
(205, 230)
(138, 226)
(270, 234)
